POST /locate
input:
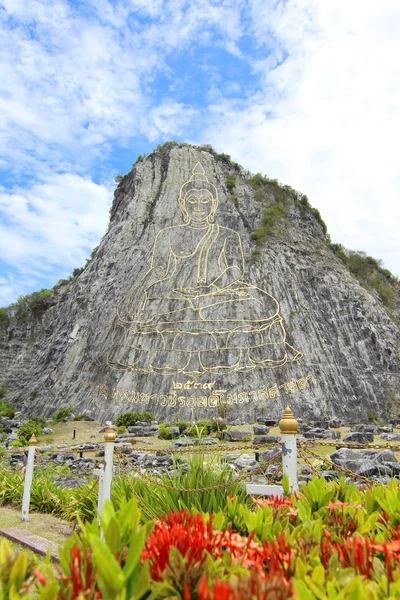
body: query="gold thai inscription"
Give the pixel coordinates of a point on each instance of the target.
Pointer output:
(215, 399)
(192, 385)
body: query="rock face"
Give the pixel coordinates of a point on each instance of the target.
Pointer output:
(185, 308)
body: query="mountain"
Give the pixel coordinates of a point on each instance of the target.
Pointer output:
(212, 290)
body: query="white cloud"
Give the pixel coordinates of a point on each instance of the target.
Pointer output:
(74, 78)
(52, 226)
(328, 117)
(77, 78)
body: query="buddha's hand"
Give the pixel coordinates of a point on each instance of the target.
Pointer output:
(199, 290)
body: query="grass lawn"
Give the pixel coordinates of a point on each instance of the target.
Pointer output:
(47, 526)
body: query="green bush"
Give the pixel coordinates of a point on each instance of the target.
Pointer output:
(206, 426)
(6, 410)
(182, 425)
(31, 306)
(76, 272)
(169, 144)
(62, 414)
(34, 425)
(20, 442)
(3, 387)
(257, 181)
(231, 185)
(131, 418)
(4, 317)
(164, 432)
(369, 271)
(271, 217)
(79, 417)
(224, 157)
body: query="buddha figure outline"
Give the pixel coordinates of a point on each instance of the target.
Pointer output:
(192, 312)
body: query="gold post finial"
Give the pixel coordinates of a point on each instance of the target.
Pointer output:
(288, 423)
(32, 440)
(110, 435)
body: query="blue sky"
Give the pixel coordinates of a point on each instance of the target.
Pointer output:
(306, 91)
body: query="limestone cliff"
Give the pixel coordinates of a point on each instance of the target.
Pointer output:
(211, 287)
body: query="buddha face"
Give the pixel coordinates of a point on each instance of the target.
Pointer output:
(197, 206)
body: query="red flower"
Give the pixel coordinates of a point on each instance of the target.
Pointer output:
(254, 585)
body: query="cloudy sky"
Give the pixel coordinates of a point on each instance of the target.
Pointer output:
(306, 91)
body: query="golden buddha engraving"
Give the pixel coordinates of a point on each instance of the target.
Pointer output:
(193, 312)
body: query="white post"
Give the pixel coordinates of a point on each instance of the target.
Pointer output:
(288, 426)
(28, 478)
(100, 474)
(105, 489)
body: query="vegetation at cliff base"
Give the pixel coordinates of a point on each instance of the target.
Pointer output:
(331, 541)
(129, 419)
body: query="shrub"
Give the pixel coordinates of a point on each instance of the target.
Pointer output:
(164, 432)
(205, 427)
(257, 180)
(182, 425)
(4, 317)
(31, 306)
(269, 220)
(76, 272)
(62, 414)
(20, 442)
(131, 418)
(369, 271)
(169, 144)
(224, 157)
(6, 410)
(34, 425)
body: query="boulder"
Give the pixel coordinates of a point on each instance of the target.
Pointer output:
(245, 461)
(327, 434)
(320, 424)
(363, 428)
(268, 421)
(266, 439)
(260, 429)
(235, 436)
(144, 430)
(359, 437)
(262, 439)
(88, 415)
(267, 455)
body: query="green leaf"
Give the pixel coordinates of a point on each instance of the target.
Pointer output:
(286, 485)
(315, 588)
(18, 570)
(136, 544)
(354, 590)
(48, 592)
(318, 575)
(303, 591)
(109, 574)
(112, 535)
(301, 568)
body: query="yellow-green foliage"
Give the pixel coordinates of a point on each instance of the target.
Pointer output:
(271, 217)
(369, 272)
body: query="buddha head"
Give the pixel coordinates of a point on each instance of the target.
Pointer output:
(198, 198)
